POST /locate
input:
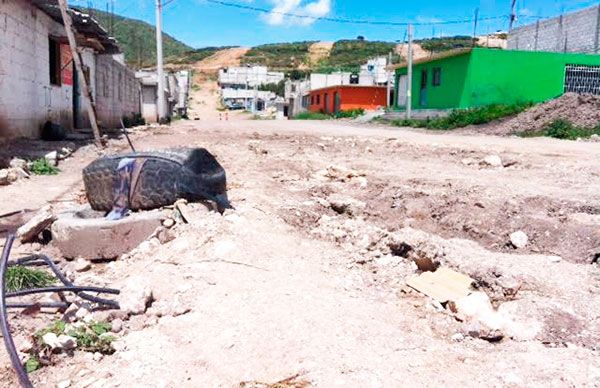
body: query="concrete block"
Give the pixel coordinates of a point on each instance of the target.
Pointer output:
(76, 234)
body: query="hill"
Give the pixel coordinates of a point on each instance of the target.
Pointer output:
(137, 39)
(342, 55)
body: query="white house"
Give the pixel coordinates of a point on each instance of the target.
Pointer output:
(37, 78)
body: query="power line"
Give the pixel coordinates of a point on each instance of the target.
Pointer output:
(343, 20)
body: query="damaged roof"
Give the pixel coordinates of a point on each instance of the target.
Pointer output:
(89, 32)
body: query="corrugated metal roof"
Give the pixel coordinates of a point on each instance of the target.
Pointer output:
(90, 32)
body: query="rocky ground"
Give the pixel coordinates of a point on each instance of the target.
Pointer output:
(306, 279)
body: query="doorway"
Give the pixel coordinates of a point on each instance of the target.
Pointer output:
(423, 93)
(337, 102)
(326, 103)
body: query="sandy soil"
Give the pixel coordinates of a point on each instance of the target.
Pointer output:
(319, 51)
(418, 51)
(288, 283)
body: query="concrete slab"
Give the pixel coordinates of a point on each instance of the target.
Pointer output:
(80, 233)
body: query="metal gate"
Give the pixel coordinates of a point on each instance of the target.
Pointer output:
(582, 79)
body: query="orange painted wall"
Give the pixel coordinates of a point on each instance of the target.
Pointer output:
(351, 97)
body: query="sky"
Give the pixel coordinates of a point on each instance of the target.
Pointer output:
(200, 23)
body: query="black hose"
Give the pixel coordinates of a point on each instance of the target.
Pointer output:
(49, 305)
(73, 289)
(8, 340)
(48, 261)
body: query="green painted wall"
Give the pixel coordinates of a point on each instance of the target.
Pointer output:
(450, 92)
(488, 76)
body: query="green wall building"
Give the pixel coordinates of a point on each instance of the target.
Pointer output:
(476, 77)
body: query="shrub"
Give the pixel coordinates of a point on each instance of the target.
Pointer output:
(563, 129)
(312, 116)
(43, 167)
(459, 118)
(351, 113)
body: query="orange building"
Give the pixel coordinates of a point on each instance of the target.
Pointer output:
(347, 97)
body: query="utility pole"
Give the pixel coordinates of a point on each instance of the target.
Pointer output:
(410, 73)
(475, 26)
(389, 80)
(513, 15)
(79, 68)
(160, 71)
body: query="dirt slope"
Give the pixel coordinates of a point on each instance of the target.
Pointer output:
(418, 51)
(223, 58)
(319, 51)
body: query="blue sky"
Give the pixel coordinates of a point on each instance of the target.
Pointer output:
(199, 23)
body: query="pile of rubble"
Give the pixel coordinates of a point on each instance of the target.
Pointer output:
(19, 168)
(582, 110)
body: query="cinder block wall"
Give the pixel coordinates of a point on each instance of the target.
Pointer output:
(117, 92)
(574, 32)
(27, 99)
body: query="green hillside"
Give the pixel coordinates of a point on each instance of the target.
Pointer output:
(137, 39)
(349, 55)
(279, 56)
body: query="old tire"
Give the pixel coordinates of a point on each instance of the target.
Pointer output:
(190, 173)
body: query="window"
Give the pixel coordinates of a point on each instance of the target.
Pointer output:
(312, 100)
(318, 99)
(55, 65)
(437, 76)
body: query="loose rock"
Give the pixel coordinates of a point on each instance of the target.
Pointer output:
(519, 239)
(42, 220)
(82, 265)
(493, 161)
(135, 297)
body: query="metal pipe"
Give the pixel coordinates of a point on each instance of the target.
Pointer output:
(8, 340)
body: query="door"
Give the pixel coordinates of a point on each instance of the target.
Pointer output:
(337, 102)
(326, 103)
(76, 101)
(402, 91)
(423, 94)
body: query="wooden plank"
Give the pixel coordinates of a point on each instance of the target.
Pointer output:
(78, 66)
(442, 285)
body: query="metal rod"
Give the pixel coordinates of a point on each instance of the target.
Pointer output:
(409, 73)
(127, 136)
(8, 340)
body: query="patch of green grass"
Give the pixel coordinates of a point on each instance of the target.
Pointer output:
(563, 129)
(91, 337)
(43, 167)
(349, 114)
(23, 278)
(312, 116)
(460, 118)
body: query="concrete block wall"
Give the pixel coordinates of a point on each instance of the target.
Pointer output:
(574, 32)
(27, 99)
(117, 91)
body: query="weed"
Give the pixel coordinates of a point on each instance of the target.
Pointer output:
(459, 118)
(312, 116)
(22, 278)
(43, 167)
(563, 129)
(32, 364)
(91, 337)
(351, 113)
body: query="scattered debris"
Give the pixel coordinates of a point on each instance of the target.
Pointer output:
(82, 265)
(291, 382)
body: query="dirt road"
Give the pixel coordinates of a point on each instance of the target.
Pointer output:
(290, 282)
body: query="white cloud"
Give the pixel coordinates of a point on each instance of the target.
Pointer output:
(313, 9)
